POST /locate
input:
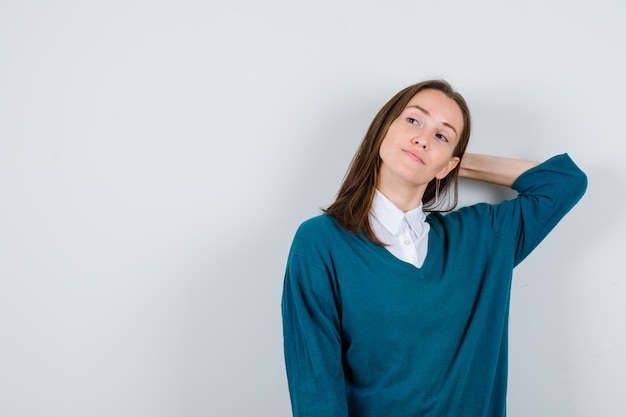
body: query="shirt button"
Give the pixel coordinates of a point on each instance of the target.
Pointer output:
(407, 242)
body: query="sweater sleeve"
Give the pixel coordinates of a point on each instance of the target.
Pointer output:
(312, 341)
(547, 193)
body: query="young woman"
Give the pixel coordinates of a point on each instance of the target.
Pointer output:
(389, 312)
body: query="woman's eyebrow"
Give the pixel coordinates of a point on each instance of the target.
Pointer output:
(423, 110)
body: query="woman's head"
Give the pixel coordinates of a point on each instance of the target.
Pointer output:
(354, 199)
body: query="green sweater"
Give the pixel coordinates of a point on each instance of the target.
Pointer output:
(368, 335)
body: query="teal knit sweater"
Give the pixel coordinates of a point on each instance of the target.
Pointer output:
(368, 335)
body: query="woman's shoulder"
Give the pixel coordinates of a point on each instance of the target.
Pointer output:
(317, 229)
(465, 216)
(315, 224)
(321, 237)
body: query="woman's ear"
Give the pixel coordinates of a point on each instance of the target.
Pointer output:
(452, 163)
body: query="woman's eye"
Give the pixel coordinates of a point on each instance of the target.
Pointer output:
(442, 137)
(413, 121)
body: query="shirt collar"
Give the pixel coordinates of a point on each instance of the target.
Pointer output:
(391, 217)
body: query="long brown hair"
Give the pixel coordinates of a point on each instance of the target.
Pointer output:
(354, 199)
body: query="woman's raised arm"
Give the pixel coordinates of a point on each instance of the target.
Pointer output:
(493, 169)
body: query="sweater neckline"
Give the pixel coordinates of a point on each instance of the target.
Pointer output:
(426, 265)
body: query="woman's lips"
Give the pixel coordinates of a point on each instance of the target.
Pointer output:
(413, 155)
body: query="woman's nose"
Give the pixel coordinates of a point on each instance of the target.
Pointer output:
(420, 141)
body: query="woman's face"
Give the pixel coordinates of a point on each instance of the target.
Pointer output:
(420, 143)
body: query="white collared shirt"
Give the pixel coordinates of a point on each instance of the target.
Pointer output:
(406, 234)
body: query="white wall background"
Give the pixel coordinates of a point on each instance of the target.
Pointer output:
(157, 156)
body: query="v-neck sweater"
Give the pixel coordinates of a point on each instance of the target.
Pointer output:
(368, 335)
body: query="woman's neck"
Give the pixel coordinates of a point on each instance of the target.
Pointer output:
(405, 198)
